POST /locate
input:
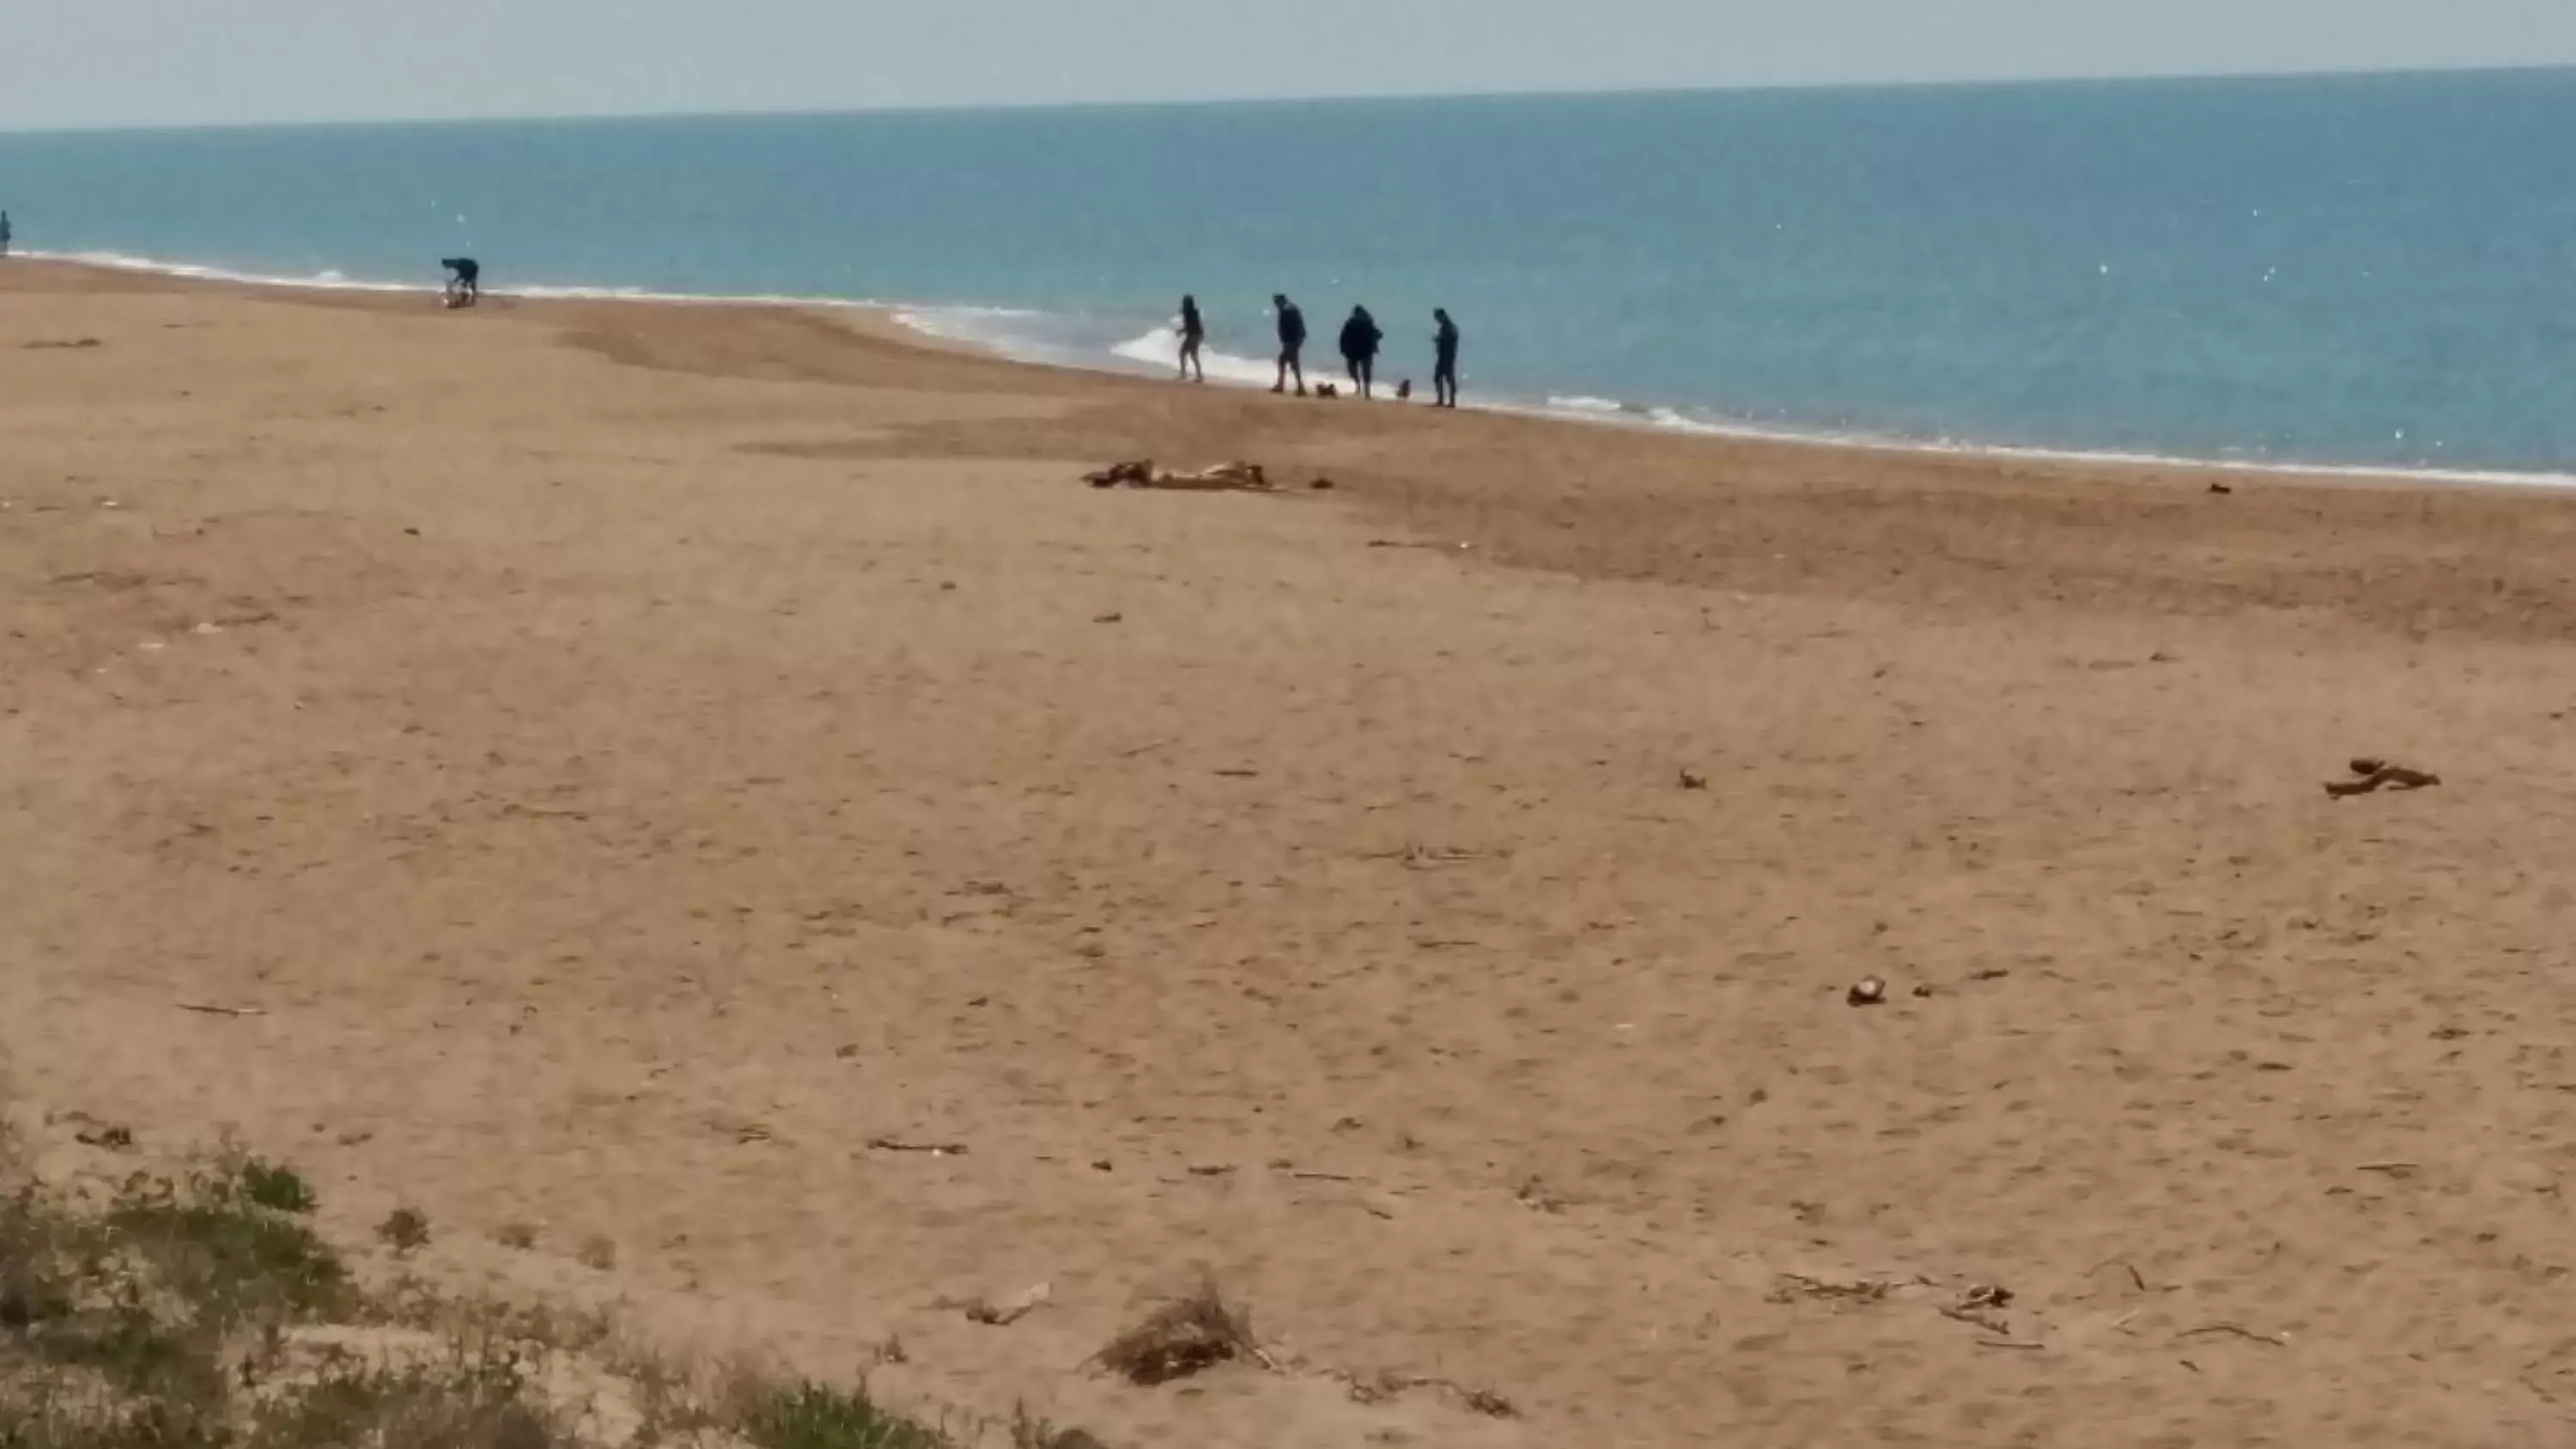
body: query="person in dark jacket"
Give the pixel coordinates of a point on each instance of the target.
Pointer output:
(1193, 336)
(1292, 344)
(1360, 340)
(465, 281)
(1444, 371)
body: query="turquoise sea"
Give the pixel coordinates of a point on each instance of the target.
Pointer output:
(2376, 272)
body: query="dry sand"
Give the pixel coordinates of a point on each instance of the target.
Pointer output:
(635, 757)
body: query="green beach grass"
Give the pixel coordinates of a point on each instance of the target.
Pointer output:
(207, 1312)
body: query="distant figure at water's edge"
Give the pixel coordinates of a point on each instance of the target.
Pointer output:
(1444, 373)
(1292, 344)
(1193, 336)
(4, 233)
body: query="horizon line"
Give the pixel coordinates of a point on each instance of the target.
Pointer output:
(945, 108)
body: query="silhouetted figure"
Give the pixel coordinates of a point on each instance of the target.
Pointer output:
(465, 286)
(1360, 339)
(5, 233)
(1444, 373)
(1193, 336)
(1292, 344)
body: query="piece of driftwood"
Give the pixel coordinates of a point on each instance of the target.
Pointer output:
(933, 1149)
(2370, 776)
(2232, 1330)
(1012, 1309)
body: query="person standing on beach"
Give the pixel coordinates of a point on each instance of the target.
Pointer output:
(4, 233)
(1444, 371)
(1193, 336)
(1292, 344)
(1360, 339)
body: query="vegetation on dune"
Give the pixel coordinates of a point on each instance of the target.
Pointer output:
(207, 1313)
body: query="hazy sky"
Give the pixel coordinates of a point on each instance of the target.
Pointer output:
(149, 62)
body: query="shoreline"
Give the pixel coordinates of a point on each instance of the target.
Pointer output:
(917, 321)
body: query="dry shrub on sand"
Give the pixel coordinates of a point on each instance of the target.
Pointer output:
(1182, 1338)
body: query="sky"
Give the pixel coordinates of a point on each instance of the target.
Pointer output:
(84, 63)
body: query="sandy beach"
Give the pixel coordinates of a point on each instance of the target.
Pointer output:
(641, 771)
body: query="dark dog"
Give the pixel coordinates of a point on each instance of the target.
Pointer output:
(1326, 389)
(1404, 390)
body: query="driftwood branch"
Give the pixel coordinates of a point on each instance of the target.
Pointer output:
(934, 1149)
(2233, 1330)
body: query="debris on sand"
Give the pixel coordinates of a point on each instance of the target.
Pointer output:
(932, 1149)
(1223, 478)
(1868, 991)
(2234, 1330)
(1183, 1338)
(1383, 1386)
(2220, 489)
(1982, 1306)
(1535, 1196)
(2369, 775)
(1693, 780)
(1861, 1290)
(1012, 1309)
(1138, 474)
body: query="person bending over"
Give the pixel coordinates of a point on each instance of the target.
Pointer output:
(465, 281)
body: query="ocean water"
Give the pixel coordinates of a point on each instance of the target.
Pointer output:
(2375, 272)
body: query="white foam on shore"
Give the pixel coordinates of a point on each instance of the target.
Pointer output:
(1601, 412)
(1955, 448)
(986, 327)
(326, 281)
(991, 328)
(1594, 406)
(334, 281)
(1161, 349)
